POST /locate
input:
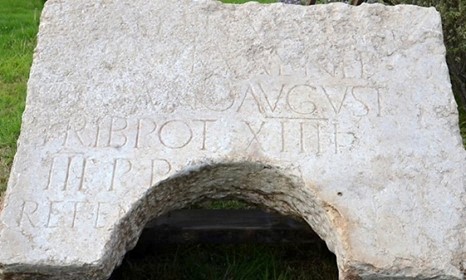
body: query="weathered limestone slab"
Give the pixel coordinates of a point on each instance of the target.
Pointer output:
(342, 115)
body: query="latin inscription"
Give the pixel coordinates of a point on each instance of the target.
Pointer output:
(284, 119)
(66, 214)
(295, 135)
(306, 101)
(271, 103)
(135, 133)
(74, 172)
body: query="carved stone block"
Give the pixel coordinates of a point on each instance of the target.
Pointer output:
(342, 115)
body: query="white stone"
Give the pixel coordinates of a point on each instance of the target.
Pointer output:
(341, 115)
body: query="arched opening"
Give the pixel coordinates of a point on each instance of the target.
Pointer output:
(268, 186)
(269, 246)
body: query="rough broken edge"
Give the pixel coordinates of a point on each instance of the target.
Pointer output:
(2, 198)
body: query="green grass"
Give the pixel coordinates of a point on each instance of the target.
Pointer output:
(19, 20)
(213, 261)
(239, 262)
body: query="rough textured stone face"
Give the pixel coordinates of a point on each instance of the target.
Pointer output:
(341, 115)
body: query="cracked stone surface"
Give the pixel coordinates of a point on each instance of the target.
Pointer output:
(341, 115)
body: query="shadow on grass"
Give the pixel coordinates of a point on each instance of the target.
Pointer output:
(198, 261)
(220, 261)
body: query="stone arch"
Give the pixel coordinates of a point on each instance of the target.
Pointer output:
(257, 183)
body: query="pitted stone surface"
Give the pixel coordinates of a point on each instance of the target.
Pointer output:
(342, 115)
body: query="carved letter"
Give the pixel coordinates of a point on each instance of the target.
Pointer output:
(204, 131)
(103, 213)
(250, 91)
(365, 108)
(336, 92)
(282, 126)
(175, 134)
(80, 132)
(121, 167)
(307, 136)
(301, 138)
(379, 105)
(254, 134)
(51, 222)
(295, 102)
(273, 106)
(73, 132)
(114, 128)
(160, 167)
(31, 210)
(76, 211)
(318, 138)
(66, 172)
(335, 137)
(97, 215)
(145, 128)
